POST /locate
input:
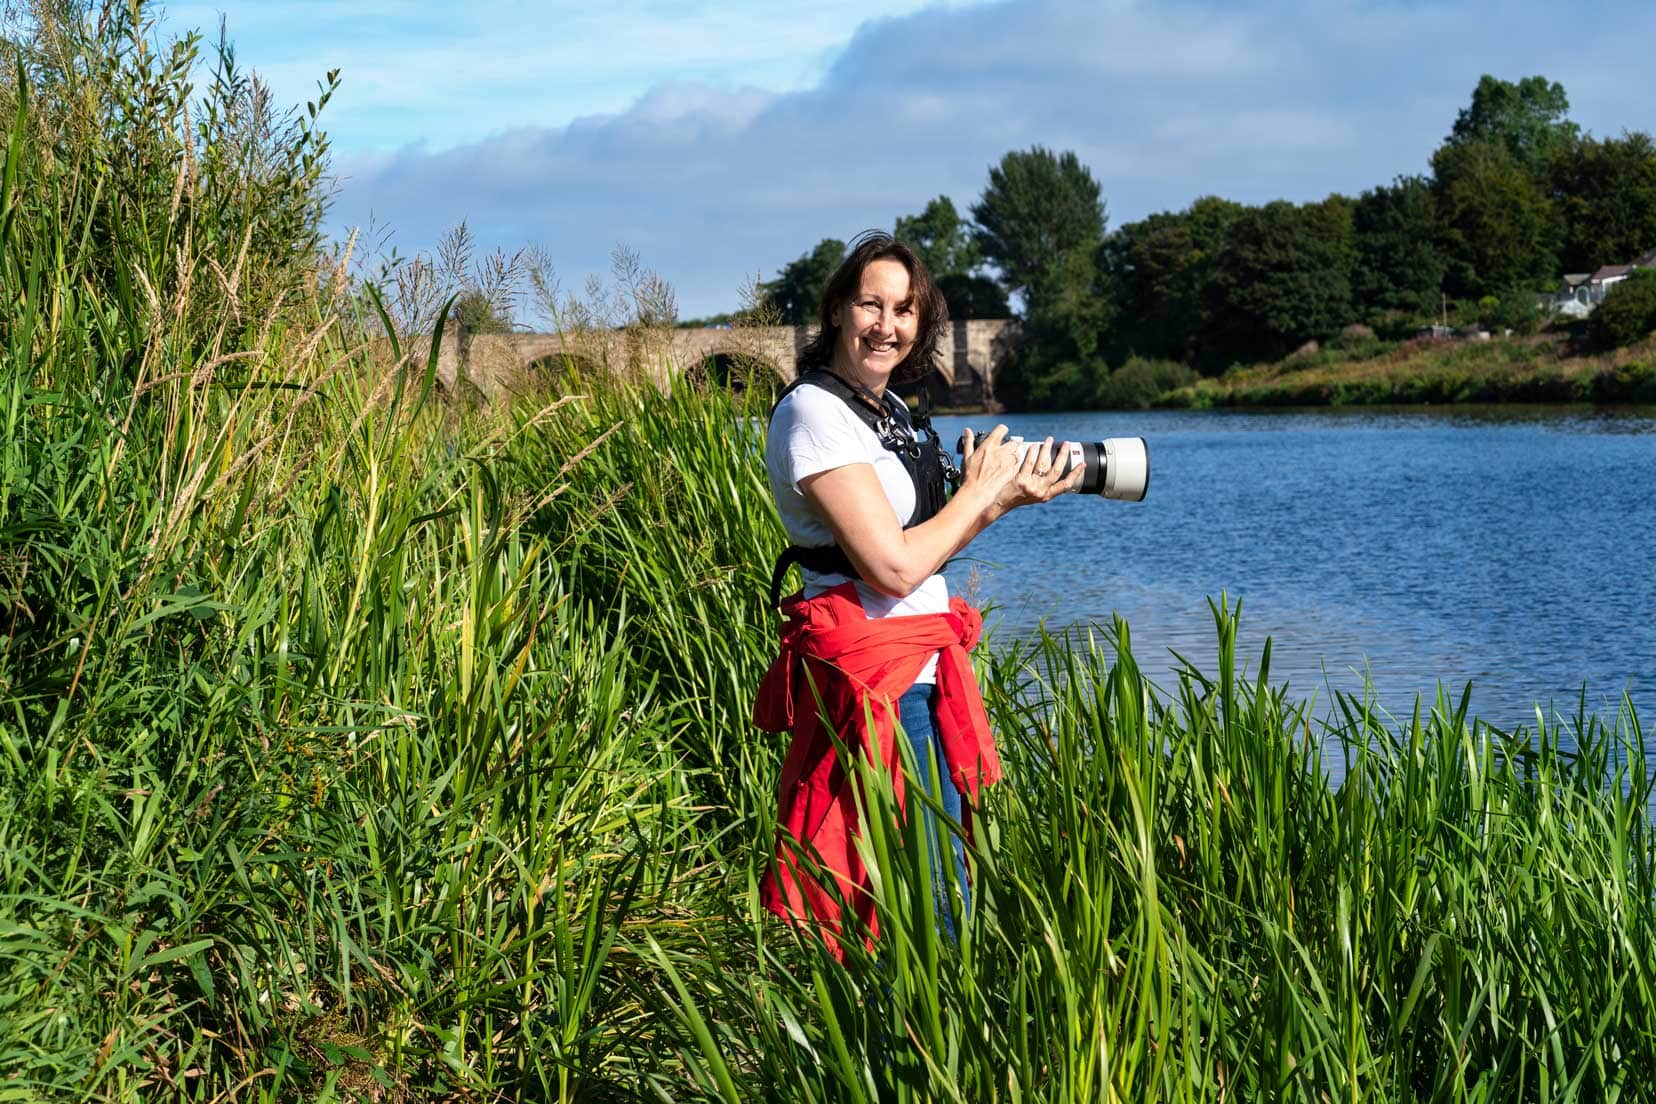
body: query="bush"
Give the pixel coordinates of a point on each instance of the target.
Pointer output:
(1515, 309)
(1396, 325)
(1140, 382)
(1356, 342)
(1627, 314)
(1634, 381)
(207, 201)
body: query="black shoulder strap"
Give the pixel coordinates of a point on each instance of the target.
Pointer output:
(890, 421)
(870, 408)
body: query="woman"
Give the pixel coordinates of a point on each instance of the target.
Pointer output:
(874, 632)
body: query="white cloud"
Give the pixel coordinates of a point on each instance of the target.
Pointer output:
(1165, 102)
(454, 73)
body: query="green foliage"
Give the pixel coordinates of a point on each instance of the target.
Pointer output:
(796, 293)
(226, 180)
(359, 748)
(1632, 382)
(973, 297)
(1156, 270)
(1174, 904)
(474, 313)
(1038, 208)
(1628, 313)
(1041, 222)
(942, 240)
(1281, 277)
(1527, 119)
(1500, 228)
(1139, 383)
(1400, 266)
(1514, 309)
(1606, 195)
(1058, 363)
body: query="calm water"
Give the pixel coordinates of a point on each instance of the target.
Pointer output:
(1509, 547)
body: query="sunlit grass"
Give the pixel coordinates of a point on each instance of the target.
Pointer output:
(1544, 368)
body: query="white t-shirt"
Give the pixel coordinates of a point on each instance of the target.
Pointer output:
(812, 431)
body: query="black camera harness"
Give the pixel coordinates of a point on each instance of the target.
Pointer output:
(915, 443)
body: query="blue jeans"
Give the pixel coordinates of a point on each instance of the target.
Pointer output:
(916, 710)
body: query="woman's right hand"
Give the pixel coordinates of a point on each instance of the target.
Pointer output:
(988, 465)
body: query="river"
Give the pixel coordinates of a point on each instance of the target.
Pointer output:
(1505, 547)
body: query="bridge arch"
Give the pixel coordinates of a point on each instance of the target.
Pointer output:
(562, 368)
(738, 370)
(503, 364)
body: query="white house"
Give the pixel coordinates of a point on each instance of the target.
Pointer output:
(1580, 292)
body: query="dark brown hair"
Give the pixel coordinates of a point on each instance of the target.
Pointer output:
(932, 313)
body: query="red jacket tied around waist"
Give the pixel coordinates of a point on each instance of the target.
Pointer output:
(859, 668)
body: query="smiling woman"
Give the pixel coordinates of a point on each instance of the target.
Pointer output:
(862, 489)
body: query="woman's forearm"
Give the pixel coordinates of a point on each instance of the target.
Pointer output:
(894, 560)
(931, 544)
(888, 557)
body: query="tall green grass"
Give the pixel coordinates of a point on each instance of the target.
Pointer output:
(1175, 903)
(358, 745)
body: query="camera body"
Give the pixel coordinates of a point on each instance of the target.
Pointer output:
(1116, 467)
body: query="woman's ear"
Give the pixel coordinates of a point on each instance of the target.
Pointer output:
(834, 314)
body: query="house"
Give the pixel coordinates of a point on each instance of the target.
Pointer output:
(1600, 283)
(1580, 292)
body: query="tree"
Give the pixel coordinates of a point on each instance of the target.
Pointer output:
(1040, 221)
(1156, 269)
(1628, 312)
(943, 241)
(941, 238)
(797, 290)
(1500, 228)
(1039, 207)
(1059, 363)
(1526, 119)
(973, 296)
(475, 313)
(1605, 192)
(1400, 264)
(1282, 277)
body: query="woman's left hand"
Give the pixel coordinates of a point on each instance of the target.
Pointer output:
(1039, 479)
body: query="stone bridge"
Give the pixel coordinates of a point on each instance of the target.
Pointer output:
(499, 365)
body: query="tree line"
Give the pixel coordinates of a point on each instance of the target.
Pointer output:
(1515, 196)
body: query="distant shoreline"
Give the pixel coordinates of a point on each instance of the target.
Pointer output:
(1545, 368)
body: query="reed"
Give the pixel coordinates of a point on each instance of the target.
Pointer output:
(357, 745)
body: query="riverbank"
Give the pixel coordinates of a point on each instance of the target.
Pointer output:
(1547, 368)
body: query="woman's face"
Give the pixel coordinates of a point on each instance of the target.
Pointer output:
(877, 327)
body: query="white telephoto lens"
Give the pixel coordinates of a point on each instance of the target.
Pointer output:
(1126, 468)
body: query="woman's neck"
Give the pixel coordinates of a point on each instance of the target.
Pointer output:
(856, 379)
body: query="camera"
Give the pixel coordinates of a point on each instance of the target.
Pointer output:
(1116, 467)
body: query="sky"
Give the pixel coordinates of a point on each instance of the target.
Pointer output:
(720, 139)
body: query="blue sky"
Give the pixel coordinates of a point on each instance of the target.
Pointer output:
(719, 140)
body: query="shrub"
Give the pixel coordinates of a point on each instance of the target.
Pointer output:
(1396, 325)
(1140, 382)
(1628, 312)
(1355, 342)
(205, 200)
(1514, 309)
